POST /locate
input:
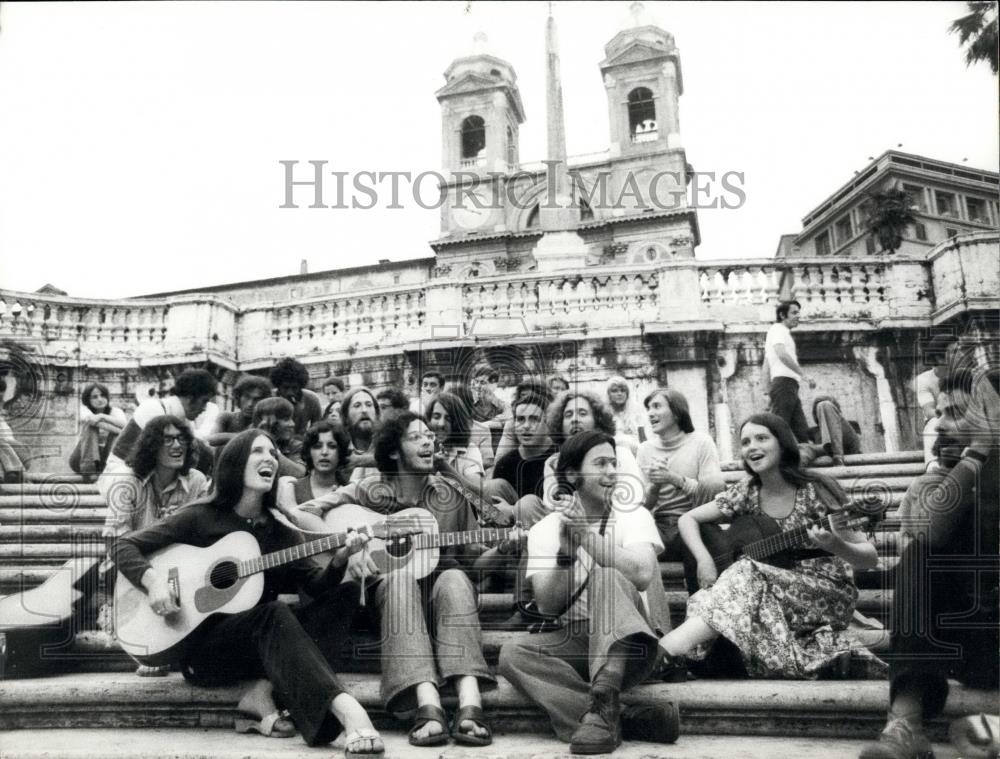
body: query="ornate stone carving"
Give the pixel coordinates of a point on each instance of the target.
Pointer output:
(681, 242)
(504, 264)
(609, 253)
(442, 270)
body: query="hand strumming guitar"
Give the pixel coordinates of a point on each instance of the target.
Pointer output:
(357, 539)
(707, 573)
(159, 593)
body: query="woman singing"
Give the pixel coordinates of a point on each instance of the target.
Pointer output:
(785, 622)
(291, 648)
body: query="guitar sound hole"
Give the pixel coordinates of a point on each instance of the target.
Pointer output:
(223, 575)
(399, 546)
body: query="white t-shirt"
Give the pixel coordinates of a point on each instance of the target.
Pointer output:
(779, 334)
(628, 525)
(928, 387)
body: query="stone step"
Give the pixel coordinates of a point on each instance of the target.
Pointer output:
(56, 501)
(15, 579)
(201, 743)
(45, 477)
(76, 515)
(857, 459)
(43, 488)
(827, 708)
(850, 474)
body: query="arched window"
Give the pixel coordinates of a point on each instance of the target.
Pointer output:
(642, 115)
(473, 137)
(511, 151)
(532, 219)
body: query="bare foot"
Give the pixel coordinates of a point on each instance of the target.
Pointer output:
(359, 734)
(258, 699)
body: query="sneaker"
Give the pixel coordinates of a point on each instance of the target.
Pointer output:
(899, 740)
(654, 723)
(600, 730)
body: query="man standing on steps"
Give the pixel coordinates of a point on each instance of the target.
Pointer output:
(781, 366)
(592, 566)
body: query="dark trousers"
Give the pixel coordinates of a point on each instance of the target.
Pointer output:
(293, 648)
(944, 617)
(784, 392)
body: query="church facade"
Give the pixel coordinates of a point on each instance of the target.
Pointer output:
(583, 267)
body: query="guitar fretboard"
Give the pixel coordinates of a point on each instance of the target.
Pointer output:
(288, 555)
(794, 538)
(445, 539)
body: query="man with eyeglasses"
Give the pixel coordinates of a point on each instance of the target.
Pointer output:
(163, 478)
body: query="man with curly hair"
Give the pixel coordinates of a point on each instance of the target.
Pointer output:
(291, 379)
(162, 478)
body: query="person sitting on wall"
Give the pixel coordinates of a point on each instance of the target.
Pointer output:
(275, 416)
(291, 382)
(833, 435)
(246, 394)
(100, 425)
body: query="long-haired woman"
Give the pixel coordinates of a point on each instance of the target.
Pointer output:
(786, 622)
(291, 649)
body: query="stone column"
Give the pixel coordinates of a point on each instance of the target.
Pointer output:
(726, 361)
(868, 357)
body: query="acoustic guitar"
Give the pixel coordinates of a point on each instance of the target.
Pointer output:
(760, 537)
(414, 540)
(223, 578)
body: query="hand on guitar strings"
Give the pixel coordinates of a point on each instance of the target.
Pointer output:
(823, 538)
(501, 513)
(160, 594)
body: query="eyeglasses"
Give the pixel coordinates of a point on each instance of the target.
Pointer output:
(418, 437)
(169, 440)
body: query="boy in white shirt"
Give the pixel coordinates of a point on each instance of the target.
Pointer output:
(592, 565)
(782, 366)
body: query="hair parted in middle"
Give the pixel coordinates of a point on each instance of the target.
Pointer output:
(147, 446)
(603, 420)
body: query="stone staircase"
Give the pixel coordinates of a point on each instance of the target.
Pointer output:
(50, 518)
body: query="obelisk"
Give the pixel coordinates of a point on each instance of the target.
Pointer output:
(561, 246)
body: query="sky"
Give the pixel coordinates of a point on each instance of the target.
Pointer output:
(140, 142)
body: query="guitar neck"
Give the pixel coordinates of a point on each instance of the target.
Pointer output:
(294, 553)
(445, 539)
(786, 541)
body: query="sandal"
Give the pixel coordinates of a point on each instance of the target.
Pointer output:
(429, 713)
(471, 714)
(361, 735)
(274, 725)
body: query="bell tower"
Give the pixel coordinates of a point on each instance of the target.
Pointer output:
(481, 112)
(642, 76)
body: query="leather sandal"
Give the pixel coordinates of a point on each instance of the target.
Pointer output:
(471, 714)
(429, 713)
(274, 725)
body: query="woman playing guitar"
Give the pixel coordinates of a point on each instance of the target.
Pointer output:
(292, 649)
(786, 621)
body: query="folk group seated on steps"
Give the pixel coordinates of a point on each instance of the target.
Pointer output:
(574, 515)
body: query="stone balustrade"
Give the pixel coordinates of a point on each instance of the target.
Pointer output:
(340, 324)
(593, 300)
(857, 293)
(185, 328)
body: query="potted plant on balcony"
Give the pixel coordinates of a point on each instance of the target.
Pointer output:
(889, 216)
